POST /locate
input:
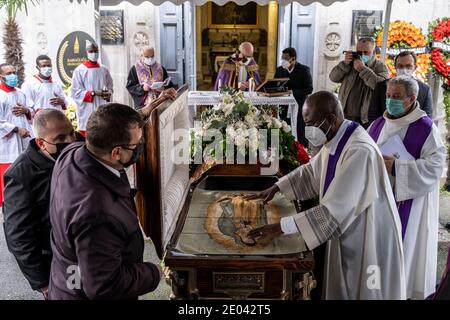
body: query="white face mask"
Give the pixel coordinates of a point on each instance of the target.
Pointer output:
(316, 136)
(285, 64)
(149, 61)
(405, 72)
(46, 71)
(92, 56)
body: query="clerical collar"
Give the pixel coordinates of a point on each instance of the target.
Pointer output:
(6, 88)
(332, 145)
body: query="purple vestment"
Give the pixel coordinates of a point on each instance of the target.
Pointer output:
(415, 137)
(228, 77)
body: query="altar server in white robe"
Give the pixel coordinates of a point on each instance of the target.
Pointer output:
(15, 121)
(92, 86)
(356, 216)
(41, 90)
(415, 180)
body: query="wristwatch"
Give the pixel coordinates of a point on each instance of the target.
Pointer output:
(15, 130)
(93, 93)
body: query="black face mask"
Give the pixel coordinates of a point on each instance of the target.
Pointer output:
(135, 156)
(59, 149)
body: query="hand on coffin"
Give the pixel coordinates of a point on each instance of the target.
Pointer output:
(170, 93)
(265, 195)
(266, 233)
(165, 95)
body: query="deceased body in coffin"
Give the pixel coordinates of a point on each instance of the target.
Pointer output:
(219, 221)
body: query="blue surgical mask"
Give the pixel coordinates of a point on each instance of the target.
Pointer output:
(365, 58)
(395, 107)
(11, 80)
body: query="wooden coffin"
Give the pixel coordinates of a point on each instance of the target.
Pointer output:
(165, 202)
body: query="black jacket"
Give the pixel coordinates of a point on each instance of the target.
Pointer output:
(26, 214)
(136, 89)
(95, 228)
(300, 81)
(378, 104)
(301, 84)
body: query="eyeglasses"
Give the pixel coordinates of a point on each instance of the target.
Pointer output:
(126, 146)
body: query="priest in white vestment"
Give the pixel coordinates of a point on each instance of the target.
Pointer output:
(415, 174)
(92, 86)
(41, 91)
(356, 216)
(15, 121)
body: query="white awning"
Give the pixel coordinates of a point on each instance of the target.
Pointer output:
(219, 2)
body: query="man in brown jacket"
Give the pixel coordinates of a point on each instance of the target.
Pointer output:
(359, 75)
(96, 240)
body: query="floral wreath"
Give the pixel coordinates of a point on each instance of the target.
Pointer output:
(439, 31)
(404, 35)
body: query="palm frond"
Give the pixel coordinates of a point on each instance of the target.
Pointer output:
(13, 6)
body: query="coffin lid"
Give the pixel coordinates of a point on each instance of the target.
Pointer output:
(162, 182)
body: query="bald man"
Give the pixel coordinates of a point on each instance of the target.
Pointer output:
(146, 79)
(27, 197)
(92, 86)
(238, 69)
(357, 215)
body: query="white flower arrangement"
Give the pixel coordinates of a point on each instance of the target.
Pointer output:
(239, 121)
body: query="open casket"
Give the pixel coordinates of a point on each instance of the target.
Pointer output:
(200, 228)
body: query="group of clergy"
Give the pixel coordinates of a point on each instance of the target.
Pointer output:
(91, 86)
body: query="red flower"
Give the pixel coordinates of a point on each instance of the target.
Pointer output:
(302, 155)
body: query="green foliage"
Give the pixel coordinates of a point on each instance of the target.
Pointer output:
(13, 6)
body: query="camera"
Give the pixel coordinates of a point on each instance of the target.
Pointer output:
(355, 54)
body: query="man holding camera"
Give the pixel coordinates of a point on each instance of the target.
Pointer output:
(358, 74)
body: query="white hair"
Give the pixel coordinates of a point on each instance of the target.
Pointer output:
(409, 83)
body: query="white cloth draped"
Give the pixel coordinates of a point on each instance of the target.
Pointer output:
(357, 217)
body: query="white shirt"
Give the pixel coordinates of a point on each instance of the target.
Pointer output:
(113, 170)
(39, 92)
(288, 225)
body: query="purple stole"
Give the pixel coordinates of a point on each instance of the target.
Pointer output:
(333, 159)
(147, 74)
(415, 137)
(227, 74)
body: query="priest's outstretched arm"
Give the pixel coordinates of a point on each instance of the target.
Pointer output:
(416, 178)
(302, 183)
(348, 196)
